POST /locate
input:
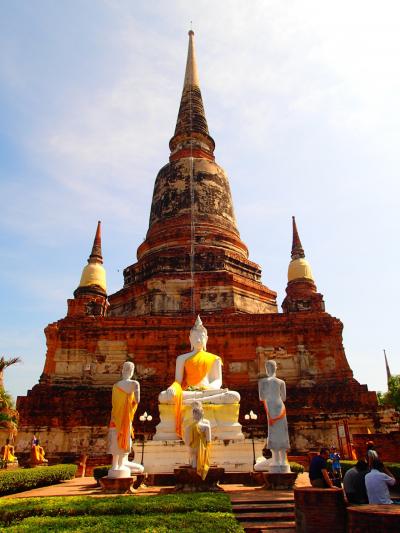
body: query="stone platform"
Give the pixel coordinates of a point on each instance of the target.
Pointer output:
(11, 466)
(165, 456)
(223, 419)
(279, 480)
(188, 480)
(122, 485)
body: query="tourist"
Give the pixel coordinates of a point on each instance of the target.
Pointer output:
(377, 483)
(354, 483)
(336, 467)
(372, 454)
(318, 473)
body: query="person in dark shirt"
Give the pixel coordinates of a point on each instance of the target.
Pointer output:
(318, 472)
(354, 483)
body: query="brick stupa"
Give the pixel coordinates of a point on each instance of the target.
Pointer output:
(192, 262)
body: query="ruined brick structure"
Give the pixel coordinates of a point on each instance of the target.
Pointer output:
(192, 261)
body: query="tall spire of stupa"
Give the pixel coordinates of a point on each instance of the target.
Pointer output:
(96, 255)
(93, 275)
(301, 292)
(191, 124)
(297, 248)
(388, 373)
(299, 267)
(192, 259)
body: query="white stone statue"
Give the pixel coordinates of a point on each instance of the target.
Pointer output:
(272, 392)
(198, 376)
(125, 399)
(198, 438)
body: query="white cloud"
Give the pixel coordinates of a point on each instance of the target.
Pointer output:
(301, 97)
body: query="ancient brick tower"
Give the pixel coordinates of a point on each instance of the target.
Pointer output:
(192, 261)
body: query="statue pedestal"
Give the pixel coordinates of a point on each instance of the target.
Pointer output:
(122, 485)
(164, 457)
(279, 481)
(187, 479)
(11, 466)
(223, 419)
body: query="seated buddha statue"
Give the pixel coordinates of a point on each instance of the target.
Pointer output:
(8, 453)
(198, 377)
(37, 453)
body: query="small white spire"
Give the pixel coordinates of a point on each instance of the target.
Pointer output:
(191, 73)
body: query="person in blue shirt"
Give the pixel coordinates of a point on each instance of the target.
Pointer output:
(336, 467)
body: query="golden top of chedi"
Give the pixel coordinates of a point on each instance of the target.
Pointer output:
(94, 273)
(299, 267)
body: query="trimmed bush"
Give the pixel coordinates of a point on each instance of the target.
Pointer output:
(17, 509)
(100, 471)
(296, 467)
(30, 478)
(156, 523)
(346, 465)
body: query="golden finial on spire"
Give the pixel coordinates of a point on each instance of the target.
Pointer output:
(299, 267)
(94, 273)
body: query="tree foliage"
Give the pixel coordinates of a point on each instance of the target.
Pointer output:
(391, 398)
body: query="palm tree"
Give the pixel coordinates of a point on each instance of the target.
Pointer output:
(5, 363)
(8, 415)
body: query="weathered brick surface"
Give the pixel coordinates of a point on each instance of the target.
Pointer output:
(319, 510)
(373, 519)
(85, 355)
(386, 444)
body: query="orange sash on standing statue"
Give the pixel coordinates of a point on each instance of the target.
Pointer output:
(272, 420)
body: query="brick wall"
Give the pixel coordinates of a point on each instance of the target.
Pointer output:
(386, 444)
(319, 510)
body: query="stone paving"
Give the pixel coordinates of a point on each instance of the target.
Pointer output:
(86, 486)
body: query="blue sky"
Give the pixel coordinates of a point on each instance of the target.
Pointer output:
(302, 99)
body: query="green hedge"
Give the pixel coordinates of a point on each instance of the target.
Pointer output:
(100, 471)
(15, 511)
(296, 467)
(30, 478)
(157, 523)
(346, 465)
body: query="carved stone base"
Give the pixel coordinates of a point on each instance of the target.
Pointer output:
(34, 465)
(117, 485)
(165, 457)
(222, 417)
(279, 481)
(188, 480)
(11, 466)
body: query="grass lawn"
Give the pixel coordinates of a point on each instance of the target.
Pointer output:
(198, 512)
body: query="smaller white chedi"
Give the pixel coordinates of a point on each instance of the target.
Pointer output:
(198, 377)
(272, 392)
(125, 399)
(198, 438)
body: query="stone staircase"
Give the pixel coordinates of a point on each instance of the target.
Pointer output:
(259, 513)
